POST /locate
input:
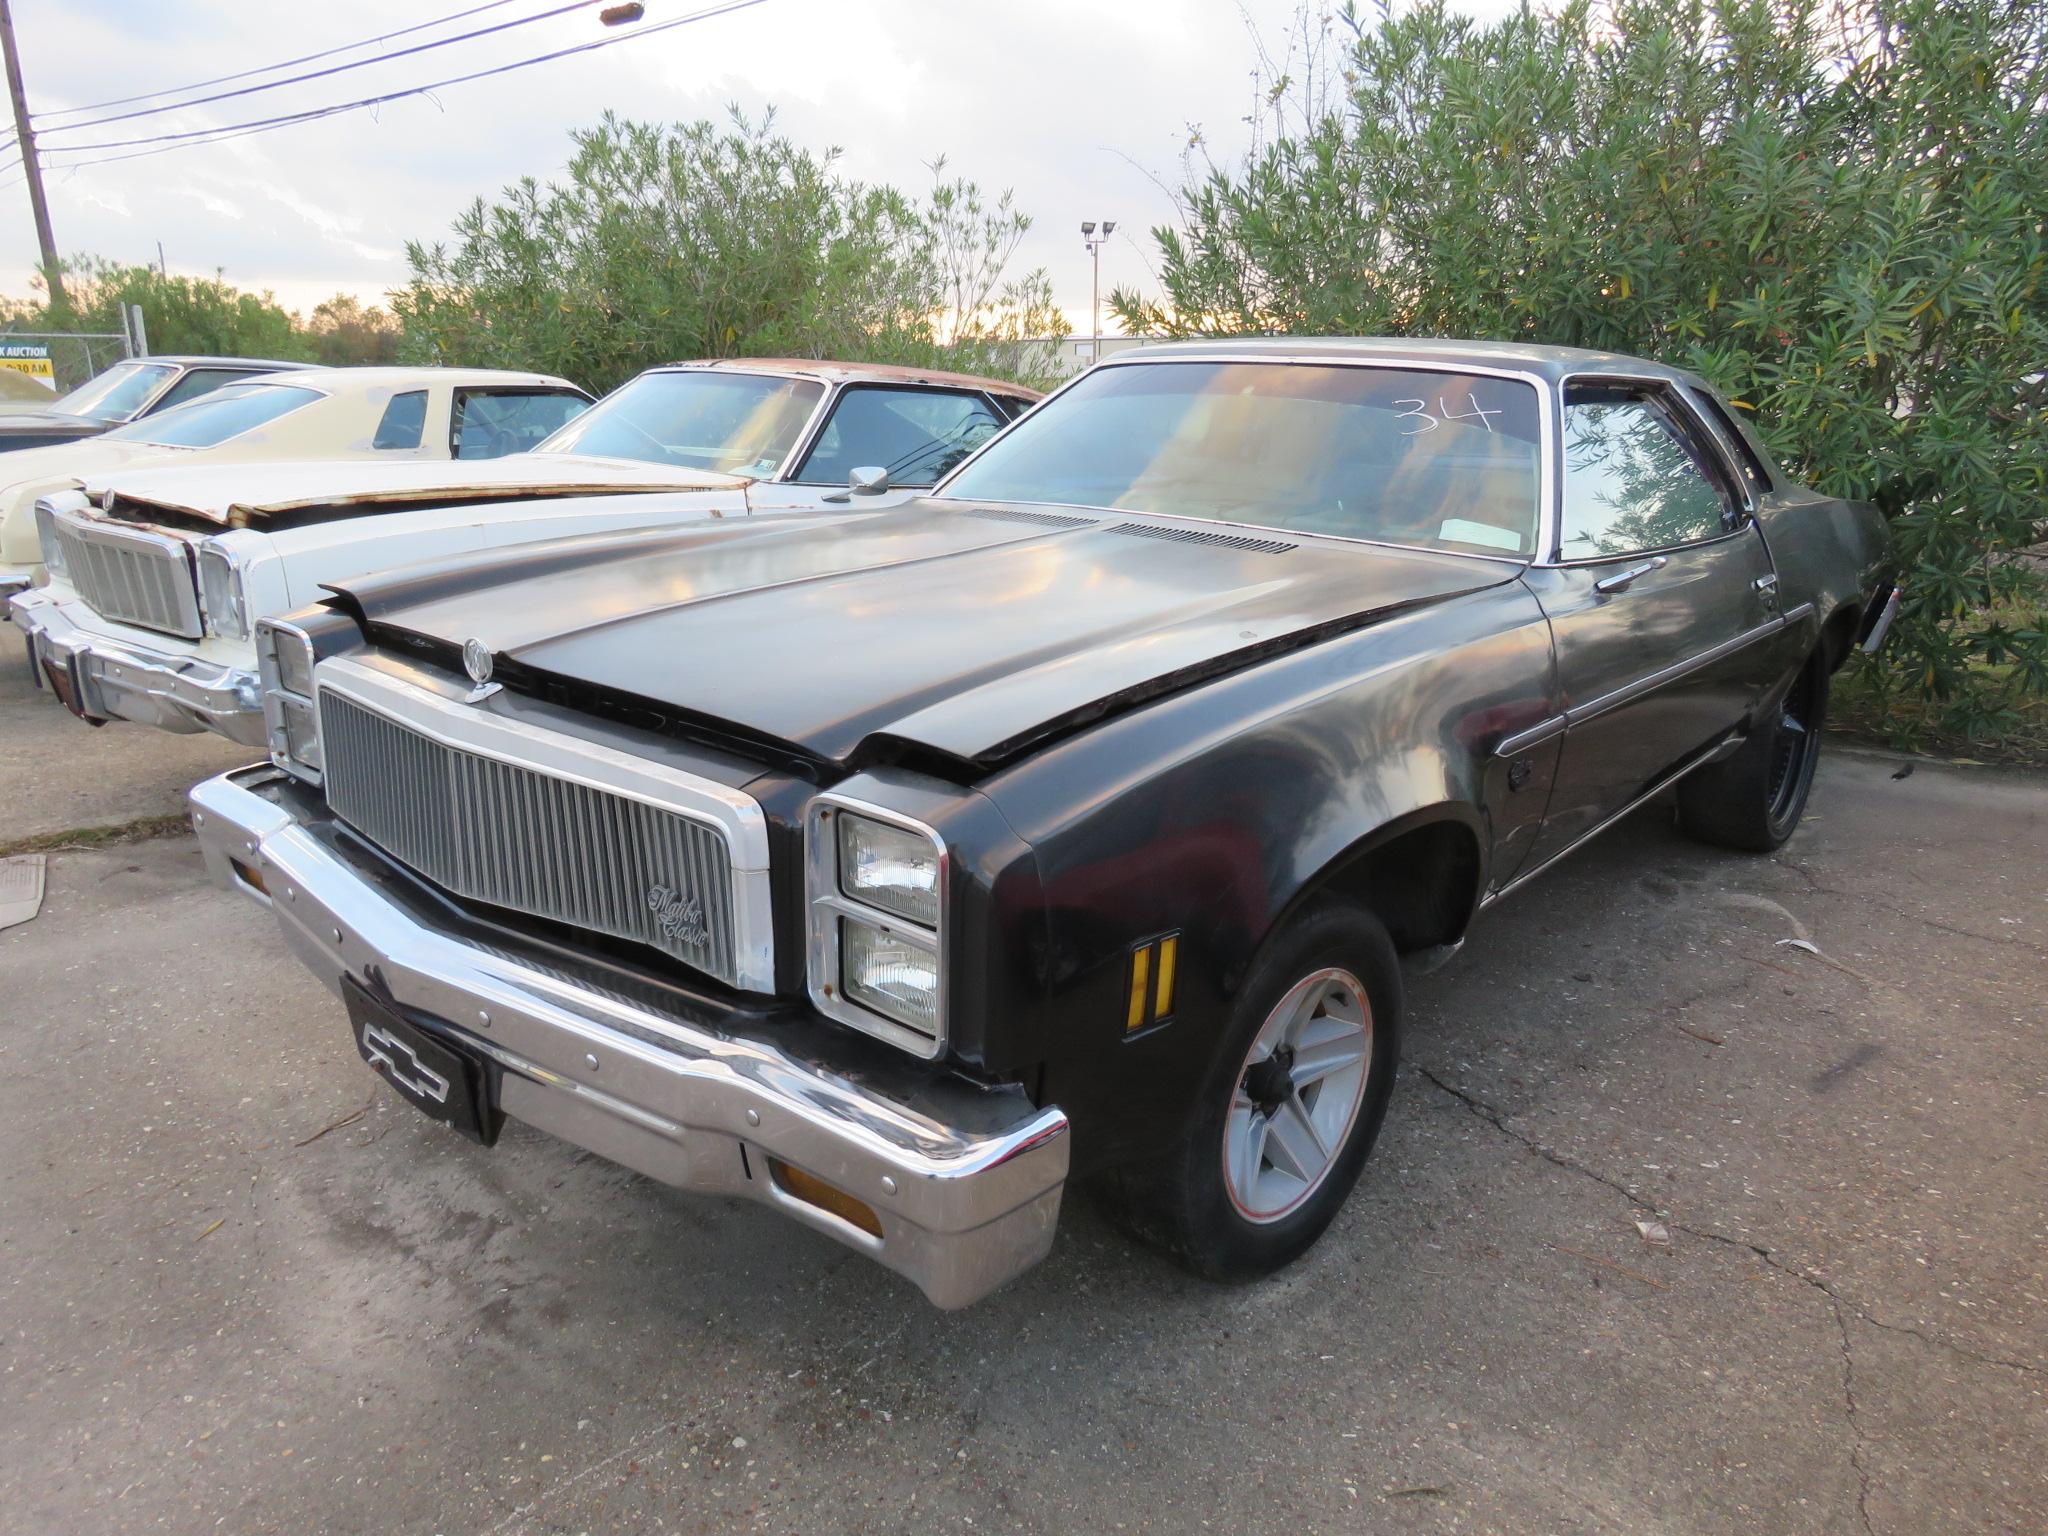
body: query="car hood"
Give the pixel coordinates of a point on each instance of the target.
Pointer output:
(973, 632)
(249, 495)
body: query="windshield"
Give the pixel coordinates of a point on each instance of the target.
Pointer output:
(116, 394)
(1398, 455)
(733, 423)
(216, 417)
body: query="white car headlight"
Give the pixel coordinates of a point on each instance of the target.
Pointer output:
(891, 973)
(46, 536)
(889, 867)
(284, 657)
(877, 885)
(220, 584)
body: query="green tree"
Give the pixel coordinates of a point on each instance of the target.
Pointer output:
(1834, 211)
(202, 315)
(344, 334)
(701, 240)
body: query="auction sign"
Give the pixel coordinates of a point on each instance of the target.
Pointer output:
(31, 358)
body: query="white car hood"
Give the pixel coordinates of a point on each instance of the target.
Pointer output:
(247, 495)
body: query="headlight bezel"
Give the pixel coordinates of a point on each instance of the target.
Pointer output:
(223, 591)
(285, 654)
(829, 909)
(48, 543)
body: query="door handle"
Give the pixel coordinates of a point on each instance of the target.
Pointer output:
(1621, 581)
(1767, 583)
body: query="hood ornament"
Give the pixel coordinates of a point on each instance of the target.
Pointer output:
(476, 661)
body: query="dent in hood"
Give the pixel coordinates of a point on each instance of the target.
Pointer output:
(969, 632)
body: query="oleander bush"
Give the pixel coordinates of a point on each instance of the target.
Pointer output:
(706, 240)
(1834, 211)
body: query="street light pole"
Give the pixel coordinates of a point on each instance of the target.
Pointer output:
(25, 137)
(1095, 242)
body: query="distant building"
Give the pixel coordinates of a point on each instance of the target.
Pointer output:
(1064, 355)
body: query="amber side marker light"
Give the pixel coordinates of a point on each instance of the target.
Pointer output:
(250, 876)
(812, 1190)
(1154, 965)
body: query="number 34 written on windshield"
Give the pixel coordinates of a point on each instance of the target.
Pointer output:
(1430, 423)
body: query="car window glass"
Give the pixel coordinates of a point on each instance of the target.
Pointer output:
(701, 418)
(1398, 455)
(1632, 479)
(216, 417)
(915, 434)
(404, 419)
(491, 423)
(197, 382)
(116, 394)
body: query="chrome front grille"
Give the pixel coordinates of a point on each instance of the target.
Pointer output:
(131, 574)
(514, 836)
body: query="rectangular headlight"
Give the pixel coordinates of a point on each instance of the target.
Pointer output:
(286, 659)
(888, 971)
(220, 583)
(889, 868)
(298, 731)
(52, 546)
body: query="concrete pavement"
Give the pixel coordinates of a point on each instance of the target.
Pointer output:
(243, 1287)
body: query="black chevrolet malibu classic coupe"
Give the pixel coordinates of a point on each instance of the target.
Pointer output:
(1075, 820)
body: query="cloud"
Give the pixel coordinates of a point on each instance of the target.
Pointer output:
(1082, 108)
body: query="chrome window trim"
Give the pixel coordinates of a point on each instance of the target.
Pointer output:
(845, 387)
(1549, 443)
(825, 903)
(736, 816)
(1675, 390)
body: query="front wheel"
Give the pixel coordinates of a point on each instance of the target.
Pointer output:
(1290, 1107)
(1754, 800)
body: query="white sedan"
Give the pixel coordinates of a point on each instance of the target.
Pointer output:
(317, 413)
(157, 578)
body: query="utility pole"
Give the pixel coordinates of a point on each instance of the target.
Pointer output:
(1094, 242)
(26, 138)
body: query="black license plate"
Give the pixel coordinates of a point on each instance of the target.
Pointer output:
(431, 1072)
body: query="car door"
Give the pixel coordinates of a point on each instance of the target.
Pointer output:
(1660, 595)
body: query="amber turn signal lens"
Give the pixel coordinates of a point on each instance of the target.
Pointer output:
(250, 876)
(813, 1190)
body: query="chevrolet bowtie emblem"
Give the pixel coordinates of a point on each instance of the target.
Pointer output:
(401, 1066)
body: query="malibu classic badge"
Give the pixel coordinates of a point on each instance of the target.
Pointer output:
(680, 917)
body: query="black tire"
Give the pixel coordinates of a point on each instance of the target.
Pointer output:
(1183, 1201)
(1754, 800)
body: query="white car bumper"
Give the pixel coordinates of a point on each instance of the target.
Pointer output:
(99, 676)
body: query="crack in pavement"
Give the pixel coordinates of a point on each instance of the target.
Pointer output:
(1855, 1425)
(1482, 1110)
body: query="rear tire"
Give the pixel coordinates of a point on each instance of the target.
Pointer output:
(1289, 1108)
(1754, 800)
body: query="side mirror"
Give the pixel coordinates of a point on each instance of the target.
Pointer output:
(868, 480)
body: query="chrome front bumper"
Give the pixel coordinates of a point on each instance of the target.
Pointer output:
(964, 1181)
(122, 679)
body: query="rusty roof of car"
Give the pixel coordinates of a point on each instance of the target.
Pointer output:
(834, 371)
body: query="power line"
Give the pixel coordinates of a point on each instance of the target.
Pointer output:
(169, 141)
(304, 58)
(317, 74)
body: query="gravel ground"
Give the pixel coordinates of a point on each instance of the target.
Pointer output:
(244, 1288)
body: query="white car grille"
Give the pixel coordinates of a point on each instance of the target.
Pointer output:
(132, 575)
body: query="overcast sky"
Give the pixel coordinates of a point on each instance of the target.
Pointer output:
(1081, 106)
